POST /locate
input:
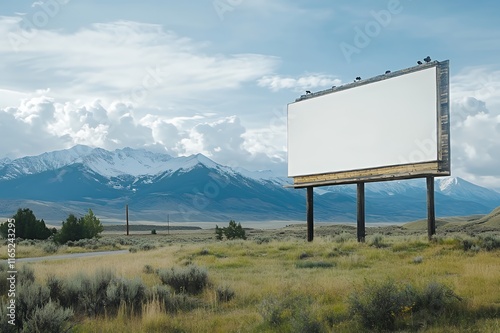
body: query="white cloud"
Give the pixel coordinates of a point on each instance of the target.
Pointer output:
(308, 82)
(40, 122)
(475, 126)
(133, 61)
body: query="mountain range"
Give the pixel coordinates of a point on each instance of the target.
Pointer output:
(195, 188)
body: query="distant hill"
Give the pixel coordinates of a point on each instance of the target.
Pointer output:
(492, 219)
(441, 222)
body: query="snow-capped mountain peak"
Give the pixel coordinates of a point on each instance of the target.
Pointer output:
(124, 161)
(447, 184)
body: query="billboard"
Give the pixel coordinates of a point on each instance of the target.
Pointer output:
(392, 126)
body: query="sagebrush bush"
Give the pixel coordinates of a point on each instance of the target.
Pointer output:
(290, 313)
(435, 298)
(343, 237)
(48, 318)
(377, 241)
(4, 283)
(29, 297)
(147, 247)
(148, 269)
(262, 239)
(191, 279)
(25, 275)
(131, 293)
(224, 293)
(387, 305)
(5, 327)
(418, 260)
(378, 306)
(56, 287)
(490, 242)
(304, 255)
(86, 294)
(171, 302)
(50, 248)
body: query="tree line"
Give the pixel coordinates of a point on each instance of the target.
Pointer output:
(73, 229)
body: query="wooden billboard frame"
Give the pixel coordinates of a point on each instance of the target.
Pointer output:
(437, 168)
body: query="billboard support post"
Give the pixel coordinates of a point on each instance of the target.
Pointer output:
(310, 214)
(361, 211)
(431, 213)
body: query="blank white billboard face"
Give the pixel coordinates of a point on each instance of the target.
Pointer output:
(383, 123)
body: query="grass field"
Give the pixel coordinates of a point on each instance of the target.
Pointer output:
(277, 282)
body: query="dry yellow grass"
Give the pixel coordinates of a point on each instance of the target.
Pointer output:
(257, 271)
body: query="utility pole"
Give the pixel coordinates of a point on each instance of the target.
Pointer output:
(126, 214)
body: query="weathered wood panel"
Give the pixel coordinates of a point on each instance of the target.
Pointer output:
(406, 171)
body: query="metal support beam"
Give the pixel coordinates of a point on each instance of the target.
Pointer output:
(431, 212)
(310, 214)
(361, 212)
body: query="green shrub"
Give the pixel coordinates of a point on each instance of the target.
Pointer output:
(4, 283)
(377, 241)
(5, 327)
(304, 255)
(30, 296)
(173, 303)
(262, 239)
(467, 244)
(379, 305)
(148, 269)
(218, 233)
(343, 237)
(490, 242)
(131, 293)
(418, 260)
(25, 275)
(191, 279)
(48, 318)
(224, 293)
(153, 231)
(50, 248)
(314, 264)
(388, 305)
(86, 295)
(232, 231)
(56, 287)
(435, 298)
(147, 247)
(290, 313)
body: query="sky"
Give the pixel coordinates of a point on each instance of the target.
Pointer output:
(215, 76)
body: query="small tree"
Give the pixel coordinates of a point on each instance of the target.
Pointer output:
(27, 226)
(92, 226)
(233, 231)
(218, 233)
(88, 226)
